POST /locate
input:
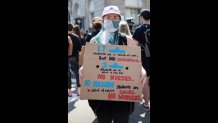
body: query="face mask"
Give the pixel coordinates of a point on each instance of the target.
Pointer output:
(111, 26)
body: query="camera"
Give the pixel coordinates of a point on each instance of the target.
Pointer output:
(130, 21)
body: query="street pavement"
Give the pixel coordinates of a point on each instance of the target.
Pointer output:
(80, 112)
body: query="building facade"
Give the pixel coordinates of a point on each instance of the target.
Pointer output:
(81, 12)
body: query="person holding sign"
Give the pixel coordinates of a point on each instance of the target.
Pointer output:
(106, 111)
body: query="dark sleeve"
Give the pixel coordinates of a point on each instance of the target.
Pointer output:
(136, 35)
(80, 44)
(83, 41)
(88, 38)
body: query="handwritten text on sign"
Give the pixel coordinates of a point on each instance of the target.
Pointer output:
(111, 72)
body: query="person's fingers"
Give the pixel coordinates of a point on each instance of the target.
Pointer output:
(142, 78)
(80, 75)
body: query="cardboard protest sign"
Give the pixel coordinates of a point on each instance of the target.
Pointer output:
(111, 72)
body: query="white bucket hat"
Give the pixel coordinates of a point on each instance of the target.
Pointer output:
(111, 9)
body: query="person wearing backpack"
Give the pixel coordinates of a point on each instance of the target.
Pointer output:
(106, 111)
(142, 38)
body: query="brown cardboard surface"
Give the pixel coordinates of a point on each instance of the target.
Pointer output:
(111, 72)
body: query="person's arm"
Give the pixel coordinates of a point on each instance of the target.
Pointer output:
(132, 42)
(92, 40)
(70, 48)
(88, 38)
(143, 78)
(81, 68)
(136, 36)
(136, 42)
(80, 75)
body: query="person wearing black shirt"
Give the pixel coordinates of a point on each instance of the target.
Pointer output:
(74, 58)
(142, 38)
(96, 26)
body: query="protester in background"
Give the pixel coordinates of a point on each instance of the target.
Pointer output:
(85, 34)
(142, 38)
(96, 27)
(74, 58)
(130, 22)
(124, 28)
(76, 30)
